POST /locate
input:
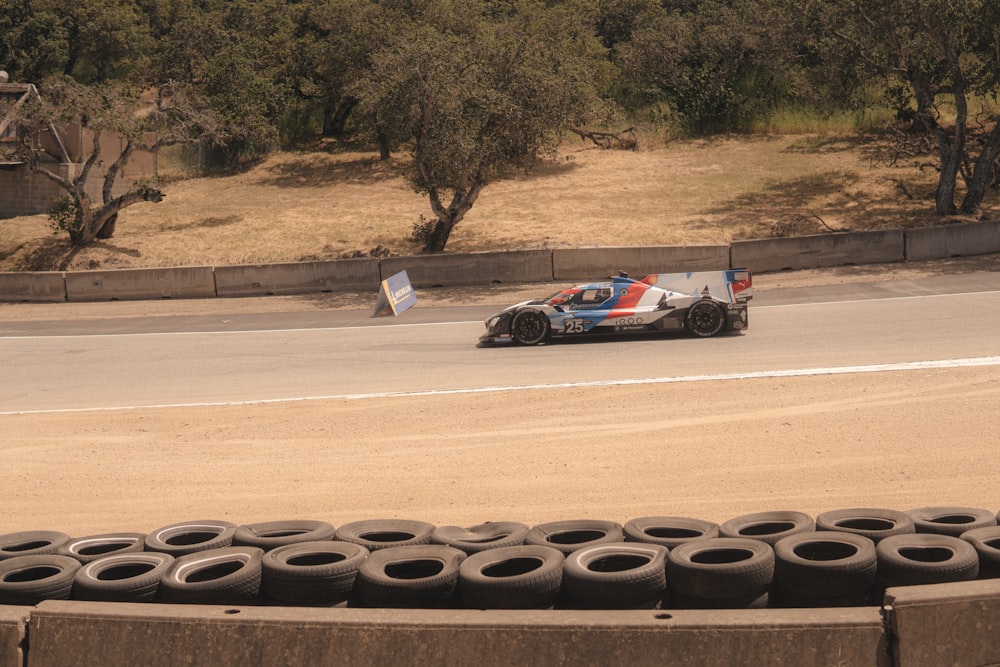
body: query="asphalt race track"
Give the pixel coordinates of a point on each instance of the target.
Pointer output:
(107, 364)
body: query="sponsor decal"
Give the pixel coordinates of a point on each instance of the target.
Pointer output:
(395, 295)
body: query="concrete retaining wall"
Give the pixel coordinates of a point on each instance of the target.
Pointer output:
(593, 263)
(939, 624)
(13, 626)
(480, 268)
(33, 287)
(979, 238)
(296, 277)
(953, 624)
(61, 633)
(810, 252)
(519, 266)
(181, 282)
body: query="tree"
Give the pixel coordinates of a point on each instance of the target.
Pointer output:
(170, 118)
(237, 54)
(718, 66)
(90, 40)
(477, 89)
(935, 58)
(335, 39)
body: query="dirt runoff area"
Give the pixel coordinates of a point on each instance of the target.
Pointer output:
(892, 440)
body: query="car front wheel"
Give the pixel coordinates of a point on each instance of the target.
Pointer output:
(529, 327)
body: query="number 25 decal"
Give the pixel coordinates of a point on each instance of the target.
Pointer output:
(574, 326)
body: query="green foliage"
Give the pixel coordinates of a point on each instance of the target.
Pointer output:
(422, 230)
(64, 215)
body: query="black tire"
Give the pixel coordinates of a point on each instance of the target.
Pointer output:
(725, 571)
(529, 327)
(873, 523)
(190, 537)
(27, 580)
(986, 542)
(951, 520)
(419, 577)
(568, 536)
(272, 534)
(87, 549)
(622, 575)
(768, 526)
(31, 543)
(669, 531)
(229, 575)
(705, 318)
(122, 577)
(522, 577)
(490, 535)
(312, 573)
(377, 534)
(925, 558)
(823, 569)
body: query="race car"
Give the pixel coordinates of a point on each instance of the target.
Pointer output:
(702, 303)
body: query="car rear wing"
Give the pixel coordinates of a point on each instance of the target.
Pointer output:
(731, 285)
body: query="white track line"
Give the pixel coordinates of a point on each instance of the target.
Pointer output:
(801, 372)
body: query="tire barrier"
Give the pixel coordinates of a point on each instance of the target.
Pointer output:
(123, 577)
(845, 558)
(180, 539)
(768, 526)
(951, 520)
(272, 534)
(27, 580)
(379, 534)
(86, 549)
(527, 576)
(31, 543)
(492, 535)
(925, 558)
(824, 569)
(312, 573)
(668, 531)
(423, 576)
(721, 573)
(568, 536)
(228, 575)
(619, 575)
(986, 542)
(873, 523)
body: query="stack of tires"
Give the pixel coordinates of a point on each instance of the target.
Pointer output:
(768, 559)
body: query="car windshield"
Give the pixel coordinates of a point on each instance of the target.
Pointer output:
(586, 298)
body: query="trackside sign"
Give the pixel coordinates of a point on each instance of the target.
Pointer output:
(395, 295)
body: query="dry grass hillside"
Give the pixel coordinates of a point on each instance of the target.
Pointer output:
(329, 202)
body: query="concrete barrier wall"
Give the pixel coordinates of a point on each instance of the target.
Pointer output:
(953, 624)
(33, 287)
(810, 252)
(978, 238)
(519, 266)
(13, 629)
(133, 634)
(478, 268)
(181, 282)
(593, 263)
(297, 277)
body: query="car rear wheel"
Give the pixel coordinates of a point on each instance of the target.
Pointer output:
(529, 327)
(705, 318)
